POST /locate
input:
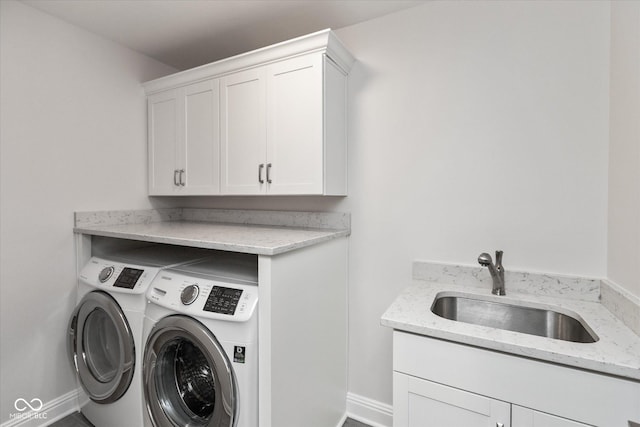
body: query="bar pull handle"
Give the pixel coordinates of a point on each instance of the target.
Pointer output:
(260, 168)
(182, 181)
(269, 173)
(499, 425)
(175, 177)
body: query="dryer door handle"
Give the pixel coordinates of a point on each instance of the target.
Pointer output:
(72, 339)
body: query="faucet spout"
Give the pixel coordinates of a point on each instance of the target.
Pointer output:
(496, 271)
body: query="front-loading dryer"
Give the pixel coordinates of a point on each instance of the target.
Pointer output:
(105, 330)
(200, 365)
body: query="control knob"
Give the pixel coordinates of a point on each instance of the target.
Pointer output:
(189, 294)
(105, 274)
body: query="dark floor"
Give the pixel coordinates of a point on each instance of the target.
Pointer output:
(73, 420)
(77, 420)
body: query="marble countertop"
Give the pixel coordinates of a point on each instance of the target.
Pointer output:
(181, 229)
(617, 352)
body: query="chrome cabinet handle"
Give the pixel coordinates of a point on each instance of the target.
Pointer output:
(182, 177)
(260, 167)
(175, 177)
(269, 173)
(499, 425)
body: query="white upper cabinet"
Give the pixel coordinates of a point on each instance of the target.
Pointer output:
(243, 132)
(275, 135)
(162, 129)
(277, 125)
(184, 140)
(202, 138)
(295, 138)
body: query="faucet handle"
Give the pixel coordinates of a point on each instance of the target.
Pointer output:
(499, 259)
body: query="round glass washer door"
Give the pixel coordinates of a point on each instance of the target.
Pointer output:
(188, 378)
(101, 347)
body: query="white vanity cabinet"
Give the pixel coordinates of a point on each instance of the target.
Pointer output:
(271, 121)
(184, 140)
(445, 384)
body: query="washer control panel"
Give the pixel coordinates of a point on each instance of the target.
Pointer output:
(204, 297)
(117, 276)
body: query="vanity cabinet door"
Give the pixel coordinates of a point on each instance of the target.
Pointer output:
(525, 417)
(421, 403)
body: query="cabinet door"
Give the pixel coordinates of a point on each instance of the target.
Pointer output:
(421, 403)
(295, 125)
(525, 417)
(201, 148)
(164, 133)
(243, 132)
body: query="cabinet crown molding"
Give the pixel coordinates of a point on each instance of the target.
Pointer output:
(324, 41)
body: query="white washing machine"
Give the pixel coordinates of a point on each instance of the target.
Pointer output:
(200, 365)
(105, 330)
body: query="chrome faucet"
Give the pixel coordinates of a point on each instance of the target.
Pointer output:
(497, 271)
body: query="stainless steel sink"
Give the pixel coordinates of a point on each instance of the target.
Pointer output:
(543, 322)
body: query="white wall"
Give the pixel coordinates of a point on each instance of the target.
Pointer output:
(474, 126)
(624, 148)
(72, 138)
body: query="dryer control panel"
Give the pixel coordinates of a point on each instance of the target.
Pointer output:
(118, 277)
(204, 297)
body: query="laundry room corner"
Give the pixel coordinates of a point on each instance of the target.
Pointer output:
(71, 108)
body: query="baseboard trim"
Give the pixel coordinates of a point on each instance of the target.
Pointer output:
(369, 411)
(359, 408)
(50, 412)
(342, 420)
